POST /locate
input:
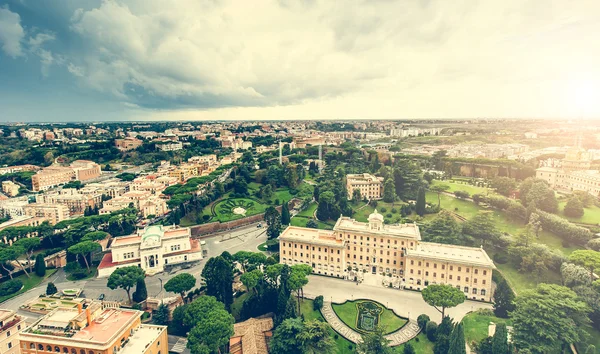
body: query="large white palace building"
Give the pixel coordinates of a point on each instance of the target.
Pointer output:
(152, 249)
(395, 251)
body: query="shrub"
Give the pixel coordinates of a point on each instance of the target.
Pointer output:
(51, 289)
(422, 321)
(388, 215)
(477, 198)
(431, 329)
(574, 208)
(318, 303)
(10, 287)
(79, 274)
(394, 210)
(336, 337)
(461, 194)
(383, 209)
(564, 229)
(501, 258)
(594, 244)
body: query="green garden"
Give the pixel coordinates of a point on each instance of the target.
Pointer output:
(365, 316)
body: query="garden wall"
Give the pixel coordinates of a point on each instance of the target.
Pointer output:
(205, 230)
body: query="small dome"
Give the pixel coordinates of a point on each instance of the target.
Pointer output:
(375, 216)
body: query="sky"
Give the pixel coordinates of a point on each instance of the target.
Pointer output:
(90, 60)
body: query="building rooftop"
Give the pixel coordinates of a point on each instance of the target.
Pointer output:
(441, 252)
(141, 339)
(314, 236)
(251, 336)
(106, 325)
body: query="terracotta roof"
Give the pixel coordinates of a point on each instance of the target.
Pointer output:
(107, 262)
(253, 335)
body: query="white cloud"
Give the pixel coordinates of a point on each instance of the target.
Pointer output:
(11, 32)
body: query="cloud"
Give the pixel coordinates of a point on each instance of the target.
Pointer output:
(11, 32)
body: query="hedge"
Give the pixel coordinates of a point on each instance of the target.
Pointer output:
(564, 229)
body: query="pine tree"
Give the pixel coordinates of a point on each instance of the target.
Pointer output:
(141, 293)
(285, 213)
(161, 315)
(503, 299)
(420, 206)
(408, 349)
(40, 265)
(457, 340)
(500, 340)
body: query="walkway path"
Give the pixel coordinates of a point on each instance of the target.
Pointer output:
(406, 333)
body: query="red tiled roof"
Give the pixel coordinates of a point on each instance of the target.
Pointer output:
(107, 262)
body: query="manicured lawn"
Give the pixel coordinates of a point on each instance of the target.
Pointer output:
(362, 215)
(309, 211)
(224, 208)
(463, 208)
(343, 345)
(236, 306)
(590, 216)
(348, 313)
(421, 344)
(301, 222)
(463, 186)
(520, 281)
(28, 283)
(476, 326)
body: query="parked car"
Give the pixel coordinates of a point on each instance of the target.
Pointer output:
(101, 297)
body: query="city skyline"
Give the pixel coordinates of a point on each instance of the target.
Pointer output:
(297, 60)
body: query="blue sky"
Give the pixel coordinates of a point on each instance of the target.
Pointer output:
(86, 60)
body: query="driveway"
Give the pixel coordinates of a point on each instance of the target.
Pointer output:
(405, 303)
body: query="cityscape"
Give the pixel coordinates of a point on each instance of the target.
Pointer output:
(299, 177)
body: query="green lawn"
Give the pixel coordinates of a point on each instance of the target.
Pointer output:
(28, 283)
(590, 216)
(463, 186)
(344, 346)
(463, 208)
(301, 222)
(309, 211)
(520, 281)
(476, 326)
(362, 215)
(224, 208)
(348, 313)
(236, 306)
(421, 344)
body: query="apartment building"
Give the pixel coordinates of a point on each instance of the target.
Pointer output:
(10, 188)
(93, 329)
(128, 143)
(75, 201)
(54, 213)
(370, 187)
(10, 326)
(170, 146)
(52, 176)
(152, 249)
(147, 203)
(572, 173)
(13, 207)
(210, 159)
(392, 250)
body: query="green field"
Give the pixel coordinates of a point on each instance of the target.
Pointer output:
(362, 215)
(344, 346)
(463, 186)
(309, 211)
(520, 281)
(590, 216)
(476, 326)
(28, 283)
(421, 344)
(348, 313)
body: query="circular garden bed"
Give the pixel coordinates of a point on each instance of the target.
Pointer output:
(237, 208)
(365, 316)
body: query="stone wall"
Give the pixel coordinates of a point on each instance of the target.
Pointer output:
(205, 230)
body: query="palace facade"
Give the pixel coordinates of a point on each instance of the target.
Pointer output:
(392, 250)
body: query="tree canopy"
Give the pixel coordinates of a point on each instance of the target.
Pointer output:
(442, 296)
(125, 278)
(180, 284)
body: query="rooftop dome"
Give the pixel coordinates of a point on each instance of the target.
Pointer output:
(375, 216)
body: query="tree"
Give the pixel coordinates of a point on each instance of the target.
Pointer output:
(95, 236)
(444, 229)
(218, 275)
(442, 296)
(408, 349)
(422, 321)
(251, 279)
(374, 342)
(40, 265)
(298, 279)
(574, 208)
(180, 284)
(84, 248)
(125, 278)
(439, 189)
(273, 220)
(503, 299)
(389, 191)
(29, 244)
(430, 330)
(442, 336)
(591, 349)
(500, 340)
(211, 324)
(586, 258)
(12, 253)
(161, 315)
(516, 211)
(285, 213)
(51, 289)
(286, 337)
(457, 340)
(574, 275)
(318, 303)
(240, 186)
(356, 197)
(421, 203)
(312, 224)
(504, 185)
(548, 317)
(315, 338)
(482, 226)
(141, 293)
(249, 260)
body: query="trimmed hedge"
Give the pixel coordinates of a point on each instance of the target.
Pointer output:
(564, 229)
(10, 287)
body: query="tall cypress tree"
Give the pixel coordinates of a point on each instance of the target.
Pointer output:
(40, 265)
(141, 293)
(457, 340)
(503, 299)
(500, 340)
(285, 213)
(420, 206)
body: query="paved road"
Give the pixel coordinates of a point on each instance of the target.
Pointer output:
(405, 303)
(243, 239)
